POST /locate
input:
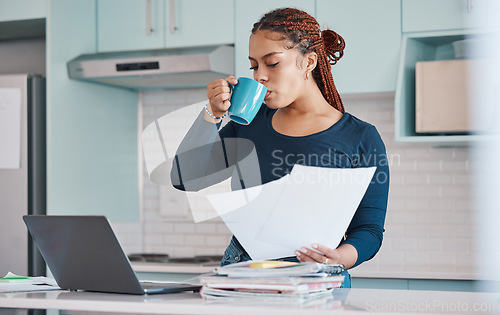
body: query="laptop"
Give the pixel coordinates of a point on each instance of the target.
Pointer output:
(83, 253)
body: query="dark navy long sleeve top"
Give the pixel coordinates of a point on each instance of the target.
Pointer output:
(256, 154)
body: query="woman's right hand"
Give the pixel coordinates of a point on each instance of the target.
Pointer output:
(219, 93)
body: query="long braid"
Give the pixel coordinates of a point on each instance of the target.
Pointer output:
(304, 31)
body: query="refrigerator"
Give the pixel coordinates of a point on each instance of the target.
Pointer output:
(22, 170)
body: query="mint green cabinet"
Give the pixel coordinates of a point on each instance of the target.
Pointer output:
(372, 32)
(155, 24)
(429, 30)
(249, 12)
(130, 25)
(92, 131)
(432, 15)
(198, 22)
(22, 10)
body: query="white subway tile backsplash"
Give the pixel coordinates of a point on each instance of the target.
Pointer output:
(443, 231)
(206, 228)
(429, 224)
(428, 191)
(172, 239)
(183, 251)
(184, 228)
(465, 231)
(429, 245)
(441, 205)
(416, 179)
(194, 240)
(416, 232)
(440, 179)
(416, 259)
(442, 259)
(417, 206)
(453, 166)
(456, 246)
(404, 244)
(214, 240)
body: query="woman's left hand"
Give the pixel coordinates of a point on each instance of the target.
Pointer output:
(326, 254)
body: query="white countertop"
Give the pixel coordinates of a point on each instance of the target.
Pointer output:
(171, 268)
(356, 272)
(351, 301)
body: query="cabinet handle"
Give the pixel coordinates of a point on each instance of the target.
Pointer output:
(469, 6)
(172, 17)
(148, 17)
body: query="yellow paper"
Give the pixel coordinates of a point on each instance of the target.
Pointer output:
(271, 264)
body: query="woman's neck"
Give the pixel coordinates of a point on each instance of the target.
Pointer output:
(311, 103)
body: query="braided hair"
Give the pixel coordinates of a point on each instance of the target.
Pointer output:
(303, 31)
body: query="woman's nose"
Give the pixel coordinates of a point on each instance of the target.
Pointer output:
(260, 76)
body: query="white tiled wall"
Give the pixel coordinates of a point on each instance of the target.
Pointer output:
(168, 223)
(429, 225)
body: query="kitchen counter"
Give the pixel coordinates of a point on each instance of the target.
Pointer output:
(172, 267)
(356, 272)
(349, 301)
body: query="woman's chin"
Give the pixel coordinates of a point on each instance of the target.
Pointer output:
(271, 105)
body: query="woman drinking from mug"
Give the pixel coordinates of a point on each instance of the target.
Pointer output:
(303, 116)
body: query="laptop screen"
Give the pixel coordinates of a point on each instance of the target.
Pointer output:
(83, 253)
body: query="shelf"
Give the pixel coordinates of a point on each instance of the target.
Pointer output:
(425, 46)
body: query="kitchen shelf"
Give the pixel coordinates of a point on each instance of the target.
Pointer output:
(425, 46)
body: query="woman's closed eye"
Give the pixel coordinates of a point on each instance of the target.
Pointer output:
(271, 65)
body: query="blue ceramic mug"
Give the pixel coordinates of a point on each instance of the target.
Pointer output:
(246, 99)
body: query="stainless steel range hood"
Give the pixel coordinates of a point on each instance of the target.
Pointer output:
(155, 69)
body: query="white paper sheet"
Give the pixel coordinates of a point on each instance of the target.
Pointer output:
(37, 284)
(245, 219)
(311, 205)
(10, 128)
(316, 206)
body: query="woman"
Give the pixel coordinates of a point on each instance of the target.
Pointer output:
(304, 117)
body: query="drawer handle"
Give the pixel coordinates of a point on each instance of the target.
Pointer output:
(148, 17)
(172, 17)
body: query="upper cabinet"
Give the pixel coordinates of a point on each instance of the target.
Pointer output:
(130, 25)
(199, 22)
(155, 24)
(249, 12)
(372, 33)
(432, 15)
(441, 30)
(22, 10)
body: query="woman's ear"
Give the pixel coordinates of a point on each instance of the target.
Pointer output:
(311, 60)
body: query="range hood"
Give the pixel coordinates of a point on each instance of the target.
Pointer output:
(155, 69)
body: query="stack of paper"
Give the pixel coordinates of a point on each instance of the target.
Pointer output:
(273, 281)
(310, 205)
(15, 283)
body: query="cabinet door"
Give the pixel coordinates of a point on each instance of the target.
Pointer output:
(130, 25)
(372, 32)
(198, 22)
(22, 10)
(249, 12)
(431, 15)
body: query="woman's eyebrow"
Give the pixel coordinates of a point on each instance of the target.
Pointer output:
(267, 55)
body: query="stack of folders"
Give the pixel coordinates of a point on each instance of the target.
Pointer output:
(273, 281)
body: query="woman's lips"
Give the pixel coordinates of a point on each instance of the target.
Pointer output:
(267, 94)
